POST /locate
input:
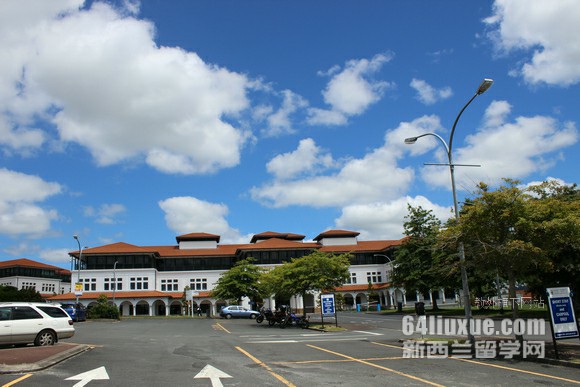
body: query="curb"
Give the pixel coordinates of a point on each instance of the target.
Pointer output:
(45, 363)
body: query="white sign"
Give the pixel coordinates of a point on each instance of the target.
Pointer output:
(562, 313)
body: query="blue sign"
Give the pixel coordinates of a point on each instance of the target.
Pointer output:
(327, 301)
(562, 313)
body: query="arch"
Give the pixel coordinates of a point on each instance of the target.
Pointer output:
(175, 308)
(142, 308)
(206, 306)
(159, 308)
(309, 303)
(126, 308)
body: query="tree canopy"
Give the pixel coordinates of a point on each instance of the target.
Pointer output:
(242, 280)
(317, 271)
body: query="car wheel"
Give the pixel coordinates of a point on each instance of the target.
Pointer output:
(228, 316)
(253, 316)
(45, 338)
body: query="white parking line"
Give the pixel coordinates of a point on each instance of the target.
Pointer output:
(370, 333)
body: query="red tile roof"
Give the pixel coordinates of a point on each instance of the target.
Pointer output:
(277, 243)
(198, 236)
(25, 262)
(125, 294)
(272, 234)
(361, 287)
(337, 234)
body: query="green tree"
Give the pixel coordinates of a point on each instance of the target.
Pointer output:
(316, 272)
(12, 294)
(242, 280)
(554, 226)
(417, 264)
(104, 309)
(496, 233)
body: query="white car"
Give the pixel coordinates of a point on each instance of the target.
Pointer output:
(38, 323)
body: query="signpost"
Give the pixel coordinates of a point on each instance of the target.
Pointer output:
(328, 307)
(562, 319)
(78, 289)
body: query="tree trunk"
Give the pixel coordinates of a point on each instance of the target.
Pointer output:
(434, 298)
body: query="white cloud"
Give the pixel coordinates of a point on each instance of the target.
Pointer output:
(307, 158)
(548, 29)
(513, 149)
(384, 220)
(186, 214)
(427, 94)
(20, 213)
(351, 91)
(279, 121)
(117, 93)
(106, 213)
(376, 176)
(55, 255)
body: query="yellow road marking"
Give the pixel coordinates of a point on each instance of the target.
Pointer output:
(517, 370)
(334, 361)
(376, 366)
(261, 363)
(17, 380)
(220, 326)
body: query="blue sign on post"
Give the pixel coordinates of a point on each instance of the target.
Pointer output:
(327, 301)
(562, 313)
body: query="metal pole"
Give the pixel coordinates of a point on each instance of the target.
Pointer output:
(76, 237)
(486, 84)
(114, 280)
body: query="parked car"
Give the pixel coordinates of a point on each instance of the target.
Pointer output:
(77, 312)
(38, 323)
(238, 311)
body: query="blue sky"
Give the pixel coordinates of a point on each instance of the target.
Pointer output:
(140, 121)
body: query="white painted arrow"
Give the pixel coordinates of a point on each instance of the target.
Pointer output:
(213, 374)
(96, 374)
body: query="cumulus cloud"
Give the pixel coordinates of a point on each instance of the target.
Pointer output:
(373, 177)
(19, 198)
(350, 91)
(186, 214)
(106, 213)
(279, 122)
(546, 29)
(55, 255)
(427, 94)
(306, 159)
(117, 93)
(383, 220)
(513, 148)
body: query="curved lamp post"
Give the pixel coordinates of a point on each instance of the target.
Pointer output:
(486, 84)
(394, 299)
(76, 237)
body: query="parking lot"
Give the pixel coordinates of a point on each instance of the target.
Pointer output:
(239, 352)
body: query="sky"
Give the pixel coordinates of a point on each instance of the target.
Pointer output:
(136, 122)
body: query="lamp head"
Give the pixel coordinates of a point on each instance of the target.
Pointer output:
(486, 84)
(76, 237)
(411, 140)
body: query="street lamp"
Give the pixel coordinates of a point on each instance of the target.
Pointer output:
(76, 237)
(114, 280)
(486, 84)
(392, 266)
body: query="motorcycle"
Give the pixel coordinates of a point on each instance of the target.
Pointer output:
(273, 318)
(299, 321)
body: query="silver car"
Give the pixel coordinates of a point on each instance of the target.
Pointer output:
(38, 323)
(238, 311)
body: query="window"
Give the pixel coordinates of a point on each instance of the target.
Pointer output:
(24, 313)
(139, 283)
(198, 283)
(352, 278)
(110, 284)
(53, 312)
(28, 285)
(374, 277)
(90, 284)
(47, 288)
(169, 285)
